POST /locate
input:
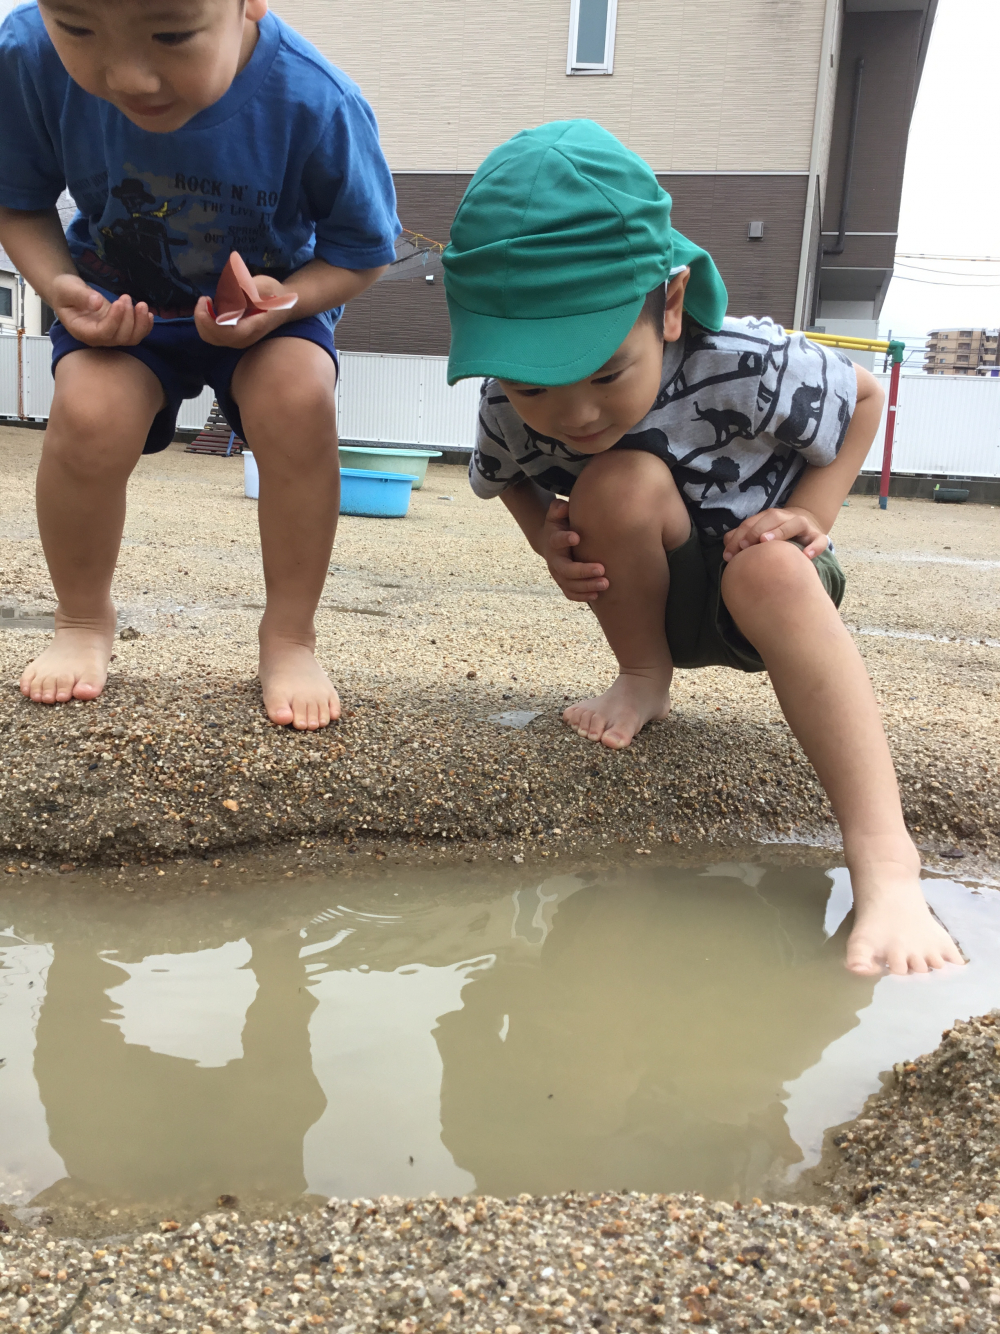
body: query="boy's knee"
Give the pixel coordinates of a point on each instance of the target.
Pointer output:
(292, 380)
(309, 398)
(628, 480)
(97, 428)
(768, 570)
(627, 490)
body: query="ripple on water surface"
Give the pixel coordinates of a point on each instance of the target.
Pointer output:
(656, 1029)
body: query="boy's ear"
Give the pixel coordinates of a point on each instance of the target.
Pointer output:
(254, 10)
(673, 310)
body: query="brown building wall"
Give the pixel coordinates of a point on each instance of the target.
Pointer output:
(890, 43)
(411, 316)
(715, 211)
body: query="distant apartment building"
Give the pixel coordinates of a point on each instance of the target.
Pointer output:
(778, 126)
(962, 351)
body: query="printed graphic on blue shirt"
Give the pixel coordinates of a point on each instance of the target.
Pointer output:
(164, 239)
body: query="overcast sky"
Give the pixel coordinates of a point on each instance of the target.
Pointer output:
(951, 192)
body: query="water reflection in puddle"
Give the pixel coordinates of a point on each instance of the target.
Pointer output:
(652, 1029)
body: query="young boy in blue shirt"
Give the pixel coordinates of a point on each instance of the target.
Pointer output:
(185, 130)
(705, 460)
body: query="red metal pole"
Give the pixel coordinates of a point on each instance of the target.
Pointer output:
(20, 375)
(890, 431)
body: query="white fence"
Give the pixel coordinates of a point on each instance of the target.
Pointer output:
(945, 425)
(404, 401)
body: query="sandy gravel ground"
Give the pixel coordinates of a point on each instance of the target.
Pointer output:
(429, 625)
(913, 1246)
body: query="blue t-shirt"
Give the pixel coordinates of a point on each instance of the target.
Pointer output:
(284, 167)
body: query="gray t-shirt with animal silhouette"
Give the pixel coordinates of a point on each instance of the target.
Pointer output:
(739, 415)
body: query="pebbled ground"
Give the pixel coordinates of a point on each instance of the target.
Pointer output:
(430, 625)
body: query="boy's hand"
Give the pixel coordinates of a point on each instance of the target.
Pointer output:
(784, 525)
(95, 320)
(579, 580)
(251, 328)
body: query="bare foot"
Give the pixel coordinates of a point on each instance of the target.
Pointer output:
(296, 688)
(894, 930)
(75, 664)
(614, 718)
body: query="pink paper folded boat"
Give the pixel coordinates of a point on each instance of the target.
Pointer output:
(237, 295)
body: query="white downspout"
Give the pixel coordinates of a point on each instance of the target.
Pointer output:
(826, 72)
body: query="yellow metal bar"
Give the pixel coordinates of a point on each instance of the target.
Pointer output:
(841, 340)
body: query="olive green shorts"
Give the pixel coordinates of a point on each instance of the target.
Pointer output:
(700, 630)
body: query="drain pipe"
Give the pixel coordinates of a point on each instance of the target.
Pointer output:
(852, 134)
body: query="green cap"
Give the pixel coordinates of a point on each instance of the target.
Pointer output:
(559, 238)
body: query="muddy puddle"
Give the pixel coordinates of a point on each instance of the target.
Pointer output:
(651, 1028)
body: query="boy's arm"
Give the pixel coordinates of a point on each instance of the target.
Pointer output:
(35, 242)
(544, 520)
(817, 499)
(319, 286)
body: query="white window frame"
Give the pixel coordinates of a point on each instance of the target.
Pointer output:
(607, 66)
(10, 284)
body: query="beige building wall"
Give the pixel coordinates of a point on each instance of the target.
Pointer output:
(452, 80)
(826, 96)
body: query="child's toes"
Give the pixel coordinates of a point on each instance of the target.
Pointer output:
(64, 688)
(620, 734)
(280, 712)
(87, 687)
(594, 727)
(897, 961)
(861, 958)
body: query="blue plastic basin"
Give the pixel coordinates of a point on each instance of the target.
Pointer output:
(375, 495)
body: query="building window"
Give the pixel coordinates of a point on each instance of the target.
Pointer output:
(592, 36)
(6, 303)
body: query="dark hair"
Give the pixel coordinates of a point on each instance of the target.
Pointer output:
(654, 306)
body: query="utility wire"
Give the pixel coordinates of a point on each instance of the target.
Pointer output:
(954, 273)
(930, 282)
(966, 259)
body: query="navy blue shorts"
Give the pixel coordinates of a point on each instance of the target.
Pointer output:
(183, 363)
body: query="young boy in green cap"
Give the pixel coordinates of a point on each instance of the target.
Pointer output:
(705, 460)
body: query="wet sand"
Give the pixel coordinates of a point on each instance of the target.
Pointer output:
(429, 625)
